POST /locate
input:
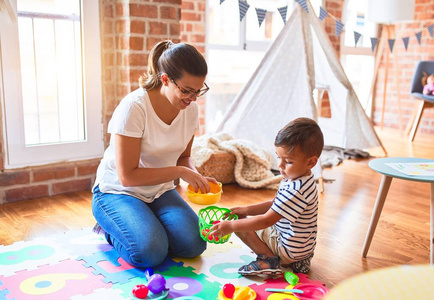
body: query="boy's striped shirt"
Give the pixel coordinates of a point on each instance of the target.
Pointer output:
(297, 202)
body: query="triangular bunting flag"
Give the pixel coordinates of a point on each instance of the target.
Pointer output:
(261, 15)
(322, 13)
(373, 43)
(283, 11)
(405, 40)
(244, 6)
(419, 36)
(431, 30)
(339, 27)
(356, 37)
(221, 1)
(391, 43)
(303, 4)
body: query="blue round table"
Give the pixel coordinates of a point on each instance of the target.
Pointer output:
(380, 165)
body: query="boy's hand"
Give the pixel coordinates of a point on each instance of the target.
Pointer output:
(221, 229)
(241, 212)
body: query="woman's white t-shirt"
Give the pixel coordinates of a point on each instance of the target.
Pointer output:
(161, 144)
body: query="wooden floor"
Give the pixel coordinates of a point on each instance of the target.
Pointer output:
(402, 235)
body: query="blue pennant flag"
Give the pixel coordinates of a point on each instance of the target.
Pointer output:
(283, 11)
(419, 36)
(391, 43)
(373, 43)
(221, 1)
(339, 27)
(261, 15)
(431, 30)
(303, 4)
(405, 40)
(322, 13)
(244, 6)
(356, 37)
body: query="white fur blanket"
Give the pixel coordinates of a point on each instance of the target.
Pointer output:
(252, 165)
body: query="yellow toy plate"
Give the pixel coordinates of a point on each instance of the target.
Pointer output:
(241, 293)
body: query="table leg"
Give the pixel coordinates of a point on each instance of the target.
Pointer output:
(379, 203)
(432, 225)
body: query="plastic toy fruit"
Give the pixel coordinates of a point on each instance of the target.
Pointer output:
(229, 290)
(156, 283)
(140, 291)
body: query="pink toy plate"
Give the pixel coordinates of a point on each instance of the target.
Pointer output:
(311, 291)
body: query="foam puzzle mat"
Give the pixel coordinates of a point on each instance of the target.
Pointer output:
(81, 265)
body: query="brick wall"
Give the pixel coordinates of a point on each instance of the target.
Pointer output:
(406, 61)
(129, 29)
(334, 7)
(193, 31)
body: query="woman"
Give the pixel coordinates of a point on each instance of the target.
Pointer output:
(152, 131)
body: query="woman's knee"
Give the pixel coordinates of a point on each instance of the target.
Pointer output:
(148, 253)
(190, 245)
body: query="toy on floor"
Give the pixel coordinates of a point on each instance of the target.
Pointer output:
(291, 278)
(156, 282)
(292, 291)
(156, 285)
(208, 216)
(229, 290)
(311, 291)
(240, 293)
(141, 291)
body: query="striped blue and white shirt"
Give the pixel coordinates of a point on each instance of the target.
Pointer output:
(297, 202)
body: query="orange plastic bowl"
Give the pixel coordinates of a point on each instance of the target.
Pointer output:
(205, 199)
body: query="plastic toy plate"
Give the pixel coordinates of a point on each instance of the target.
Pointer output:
(241, 293)
(158, 296)
(311, 291)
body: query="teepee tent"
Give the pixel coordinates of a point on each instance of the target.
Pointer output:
(300, 60)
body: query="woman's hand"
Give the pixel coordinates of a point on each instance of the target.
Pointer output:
(197, 181)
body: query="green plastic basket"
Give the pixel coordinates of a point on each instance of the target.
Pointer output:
(207, 216)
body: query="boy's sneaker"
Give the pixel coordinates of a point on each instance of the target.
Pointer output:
(98, 230)
(301, 266)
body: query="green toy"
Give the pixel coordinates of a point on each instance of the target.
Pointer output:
(209, 216)
(291, 278)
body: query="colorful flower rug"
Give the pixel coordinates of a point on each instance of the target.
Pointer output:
(81, 265)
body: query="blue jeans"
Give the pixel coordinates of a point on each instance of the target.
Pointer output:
(145, 233)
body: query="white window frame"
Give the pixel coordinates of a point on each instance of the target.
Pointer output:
(243, 42)
(17, 153)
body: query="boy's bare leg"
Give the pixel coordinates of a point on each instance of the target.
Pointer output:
(258, 246)
(251, 239)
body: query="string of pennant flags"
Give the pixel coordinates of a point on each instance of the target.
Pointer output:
(339, 26)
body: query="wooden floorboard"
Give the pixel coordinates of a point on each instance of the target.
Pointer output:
(402, 235)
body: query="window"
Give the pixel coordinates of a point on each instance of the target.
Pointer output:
(51, 82)
(235, 49)
(358, 61)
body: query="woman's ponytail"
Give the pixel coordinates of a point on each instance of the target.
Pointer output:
(151, 79)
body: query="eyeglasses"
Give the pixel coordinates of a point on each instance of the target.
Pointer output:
(192, 93)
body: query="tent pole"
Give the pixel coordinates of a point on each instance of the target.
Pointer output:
(378, 56)
(386, 75)
(398, 94)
